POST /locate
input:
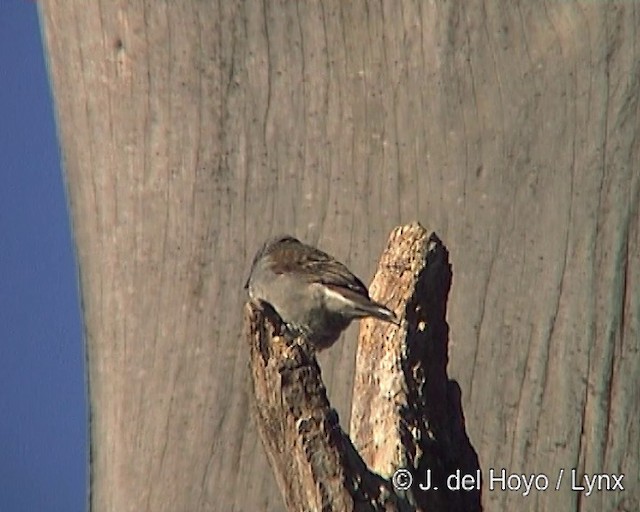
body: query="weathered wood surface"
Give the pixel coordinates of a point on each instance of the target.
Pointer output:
(406, 413)
(315, 464)
(192, 130)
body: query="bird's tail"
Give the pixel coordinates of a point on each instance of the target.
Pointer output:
(358, 305)
(378, 311)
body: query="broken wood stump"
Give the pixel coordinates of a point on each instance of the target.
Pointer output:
(407, 426)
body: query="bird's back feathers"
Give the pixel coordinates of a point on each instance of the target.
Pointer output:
(310, 264)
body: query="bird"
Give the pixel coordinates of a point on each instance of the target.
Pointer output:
(315, 296)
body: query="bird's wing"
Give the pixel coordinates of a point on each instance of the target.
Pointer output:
(314, 266)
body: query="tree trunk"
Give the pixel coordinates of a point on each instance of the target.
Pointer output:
(192, 130)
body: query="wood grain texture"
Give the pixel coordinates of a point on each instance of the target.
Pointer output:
(193, 130)
(406, 412)
(314, 462)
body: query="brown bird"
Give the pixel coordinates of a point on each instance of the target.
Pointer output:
(315, 295)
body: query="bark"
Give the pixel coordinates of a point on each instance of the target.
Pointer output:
(406, 413)
(315, 464)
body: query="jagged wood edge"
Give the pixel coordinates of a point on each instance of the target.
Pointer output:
(314, 461)
(316, 465)
(406, 412)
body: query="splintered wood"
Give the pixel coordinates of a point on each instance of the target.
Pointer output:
(406, 414)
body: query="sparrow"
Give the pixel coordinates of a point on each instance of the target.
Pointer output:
(315, 295)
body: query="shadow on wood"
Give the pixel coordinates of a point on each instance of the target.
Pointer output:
(406, 413)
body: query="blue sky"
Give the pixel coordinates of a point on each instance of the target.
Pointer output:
(43, 429)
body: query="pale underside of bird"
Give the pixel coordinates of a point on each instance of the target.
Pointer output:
(314, 295)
